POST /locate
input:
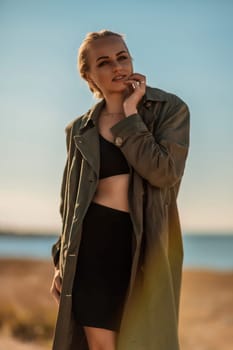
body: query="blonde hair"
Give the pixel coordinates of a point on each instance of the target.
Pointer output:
(83, 64)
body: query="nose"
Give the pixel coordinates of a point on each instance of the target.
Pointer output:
(116, 65)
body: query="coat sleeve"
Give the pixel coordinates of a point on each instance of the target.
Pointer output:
(158, 156)
(56, 247)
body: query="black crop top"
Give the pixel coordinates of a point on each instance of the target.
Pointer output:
(112, 160)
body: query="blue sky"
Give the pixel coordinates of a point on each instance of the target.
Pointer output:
(181, 46)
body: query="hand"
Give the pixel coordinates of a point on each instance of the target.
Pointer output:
(55, 289)
(137, 85)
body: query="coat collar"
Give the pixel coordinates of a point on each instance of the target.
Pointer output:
(91, 116)
(151, 95)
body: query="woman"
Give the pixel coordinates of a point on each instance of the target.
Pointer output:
(118, 261)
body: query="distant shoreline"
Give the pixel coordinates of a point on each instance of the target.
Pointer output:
(28, 234)
(211, 251)
(33, 233)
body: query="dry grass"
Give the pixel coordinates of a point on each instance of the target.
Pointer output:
(28, 312)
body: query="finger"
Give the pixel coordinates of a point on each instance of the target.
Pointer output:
(139, 85)
(134, 83)
(131, 83)
(56, 297)
(54, 289)
(137, 77)
(57, 283)
(55, 294)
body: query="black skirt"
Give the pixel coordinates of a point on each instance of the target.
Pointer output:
(103, 267)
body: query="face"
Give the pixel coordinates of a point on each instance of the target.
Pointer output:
(110, 64)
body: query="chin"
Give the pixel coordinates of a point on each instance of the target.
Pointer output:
(121, 89)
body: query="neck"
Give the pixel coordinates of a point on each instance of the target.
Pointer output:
(114, 104)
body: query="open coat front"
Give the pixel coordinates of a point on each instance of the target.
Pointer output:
(155, 143)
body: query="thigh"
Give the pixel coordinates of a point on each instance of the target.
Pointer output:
(100, 338)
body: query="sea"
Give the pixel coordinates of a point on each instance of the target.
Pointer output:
(202, 251)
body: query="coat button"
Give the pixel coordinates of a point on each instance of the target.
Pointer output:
(118, 141)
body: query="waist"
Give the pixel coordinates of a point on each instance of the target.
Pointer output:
(113, 192)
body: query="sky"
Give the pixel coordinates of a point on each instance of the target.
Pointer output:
(183, 47)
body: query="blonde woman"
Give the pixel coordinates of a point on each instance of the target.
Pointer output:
(118, 262)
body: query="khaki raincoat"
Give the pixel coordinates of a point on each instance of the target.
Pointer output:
(155, 143)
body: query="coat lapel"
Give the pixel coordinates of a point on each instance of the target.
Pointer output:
(88, 145)
(87, 137)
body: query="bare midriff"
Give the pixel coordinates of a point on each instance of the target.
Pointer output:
(112, 192)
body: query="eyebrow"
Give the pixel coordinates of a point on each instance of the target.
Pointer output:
(104, 57)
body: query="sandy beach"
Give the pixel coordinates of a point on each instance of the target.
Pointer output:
(28, 312)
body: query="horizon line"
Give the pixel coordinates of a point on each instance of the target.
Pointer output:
(54, 232)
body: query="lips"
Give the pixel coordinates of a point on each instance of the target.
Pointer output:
(119, 78)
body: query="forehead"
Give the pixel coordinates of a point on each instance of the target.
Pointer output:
(107, 46)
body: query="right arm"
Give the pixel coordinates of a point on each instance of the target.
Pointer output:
(57, 282)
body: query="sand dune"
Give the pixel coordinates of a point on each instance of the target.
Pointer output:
(28, 312)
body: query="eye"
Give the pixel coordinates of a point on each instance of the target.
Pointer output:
(103, 63)
(122, 58)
